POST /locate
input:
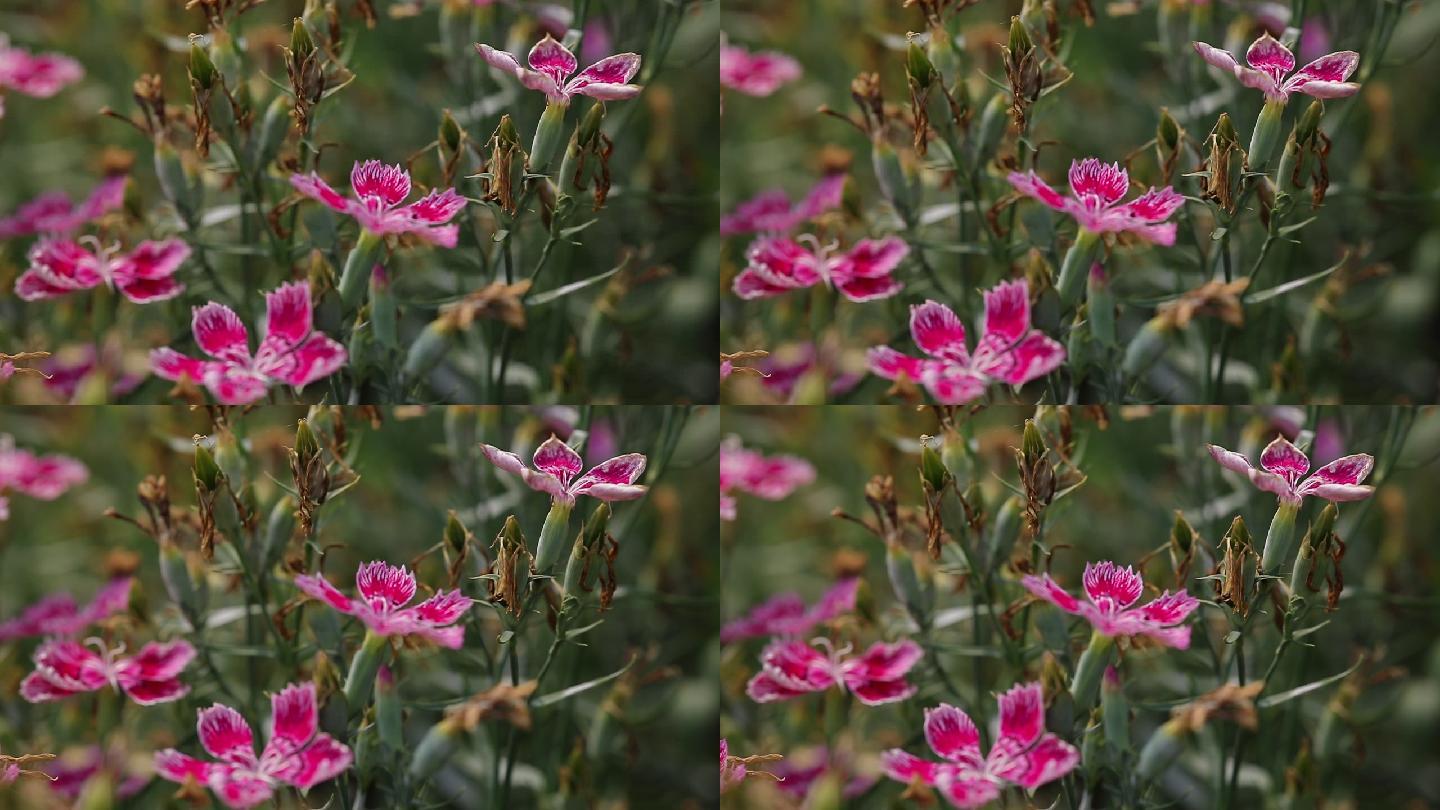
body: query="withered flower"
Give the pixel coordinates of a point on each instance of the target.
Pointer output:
(1215, 299)
(496, 301)
(1234, 576)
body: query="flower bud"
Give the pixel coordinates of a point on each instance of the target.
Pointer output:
(1019, 41)
(1102, 305)
(359, 267)
(1115, 710)
(900, 567)
(1161, 750)
(918, 67)
(552, 537)
(890, 175)
(1266, 135)
(207, 472)
(360, 679)
(175, 180)
(428, 350)
(271, 134)
(388, 710)
(301, 43)
(278, 531)
(1032, 444)
(1076, 266)
(1280, 540)
(435, 749)
(549, 135)
(932, 468)
(1085, 687)
(1146, 347)
(993, 123)
(384, 314)
(202, 69)
(456, 535)
(943, 56)
(451, 135)
(179, 585)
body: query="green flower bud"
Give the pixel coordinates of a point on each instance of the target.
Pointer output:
(1280, 540)
(1146, 347)
(360, 679)
(207, 472)
(1161, 750)
(359, 267)
(1101, 309)
(549, 135)
(552, 537)
(202, 69)
(918, 66)
(435, 749)
(1085, 687)
(1266, 134)
(388, 710)
(1115, 710)
(1075, 268)
(428, 350)
(301, 43)
(932, 468)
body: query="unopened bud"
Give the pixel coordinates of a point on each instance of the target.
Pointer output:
(1161, 750)
(301, 43)
(918, 66)
(456, 535)
(932, 468)
(1019, 41)
(202, 69)
(1146, 347)
(207, 472)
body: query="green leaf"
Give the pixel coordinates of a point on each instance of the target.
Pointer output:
(1290, 286)
(571, 691)
(560, 292)
(1290, 694)
(1289, 229)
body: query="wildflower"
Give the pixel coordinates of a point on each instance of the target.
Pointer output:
(144, 275)
(59, 615)
(53, 212)
(1270, 62)
(42, 477)
(821, 367)
(797, 775)
(74, 368)
(1024, 754)
(290, 352)
(1282, 472)
(38, 75)
(790, 669)
(71, 776)
(66, 668)
(375, 192)
(778, 264)
(772, 478)
(772, 212)
(757, 73)
(557, 473)
(385, 590)
(552, 66)
(297, 753)
(1008, 349)
(787, 615)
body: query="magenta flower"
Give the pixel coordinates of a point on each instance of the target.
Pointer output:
(787, 615)
(778, 265)
(798, 773)
(375, 192)
(1111, 592)
(66, 668)
(62, 266)
(790, 669)
(42, 477)
(1024, 754)
(552, 66)
(59, 615)
(53, 212)
(1282, 472)
(1096, 190)
(557, 472)
(770, 477)
(757, 73)
(40, 76)
(771, 211)
(1270, 62)
(291, 351)
(71, 775)
(297, 754)
(70, 367)
(1008, 349)
(385, 590)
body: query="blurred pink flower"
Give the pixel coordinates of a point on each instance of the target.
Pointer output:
(557, 472)
(778, 265)
(1008, 350)
(297, 754)
(291, 351)
(42, 477)
(771, 211)
(732, 771)
(53, 212)
(790, 669)
(1111, 592)
(1282, 472)
(68, 368)
(771, 478)
(1096, 190)
(798, 773)
(786, 614)
(757, 73)
(375, 192)
(59, 615)
(552, 66)
(596, 42)
(65, 668)
(385, 590)
(62, 266)
(1024, 754)
(783, 369)
(39, 75)
(1270, 62)
(70, 775)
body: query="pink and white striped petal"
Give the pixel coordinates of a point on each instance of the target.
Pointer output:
(169, 364)
(374, 180)
(953, 735)
(293, 720)
(1047, 589)
(530, 79)
(1007, 310)
(1269, 55)
(552, 58)
(220, 333)
(624, 470)
(1110, 587)
(886, 362)
(1285, 460)
(311, 185)
(557, 458)
(1030, 185)
(1090, 178)
(938, 332)
(177, 767)
(386, 586)
(322, 760)
(225, 734)
(317, 587)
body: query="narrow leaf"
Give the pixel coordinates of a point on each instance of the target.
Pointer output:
(571, 691)
(1272, 701)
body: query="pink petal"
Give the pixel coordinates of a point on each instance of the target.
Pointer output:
(106, 196)
(318, 357)
(321, 761)
(625, 469)
(1215, 56)
(938, 332)
(861, 290)
(220, 333)
(1155, 205)
(529, 78)
(1169, 608)
(392, 586)
(1022, 714)
(1105, 182)
(775, 616)
(558, 459)
(1262, 81)
(1031, 185)
(1230, 460)
(798, 663)
(437, 207)
(878, 693)
(892, 365)
(293, 718)
(756, 74)
(1050, 759)
(870, 258)
(1285, 460)
(1340, 493)
(158, 661)
(553, 59)
(177, 767)
(768, 211)
(765, 687)
(1046, 588)
(1111, 587)
(615, 492)
(1319, 89)
(541, 481)
(32, 286)
(40, 75)
(151, 693)
(37, 688)
(373, 180)
(953, 385)
(1007, 310)
(233, 384)
(315, 188)
(153, 260)
(288, 312)
(317, 587)
(826, 195)
(64, 264)
(1033, 357)
(903, 766)
(150, 290)
(225, 734)
(171, 365)
(238, 788)
(608, 79)
(953, 735)
(776, 264)
(967, 790)
(445, 607)
(883, 662)
(1269, 55)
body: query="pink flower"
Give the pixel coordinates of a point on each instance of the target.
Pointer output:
(375, 192)
(71, 775)
(797, 774)
(787, 615)
(42, 477)
(1282, 472)
(69, 368)
(291, 351)
(552, 66)
(1025, 754)
(778, 265)
(1008, 350)
(755, 74)
(41, 76)
(1096, 190)
(59, 615)
(1270, 62)
(62, 266)
(66, 668)
(772, 478)
(771, 211)
(385, 590)
(1112, 591)
(557, 472)
(53, 212)
(783, 369)
(297, 753)
(790, 669)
